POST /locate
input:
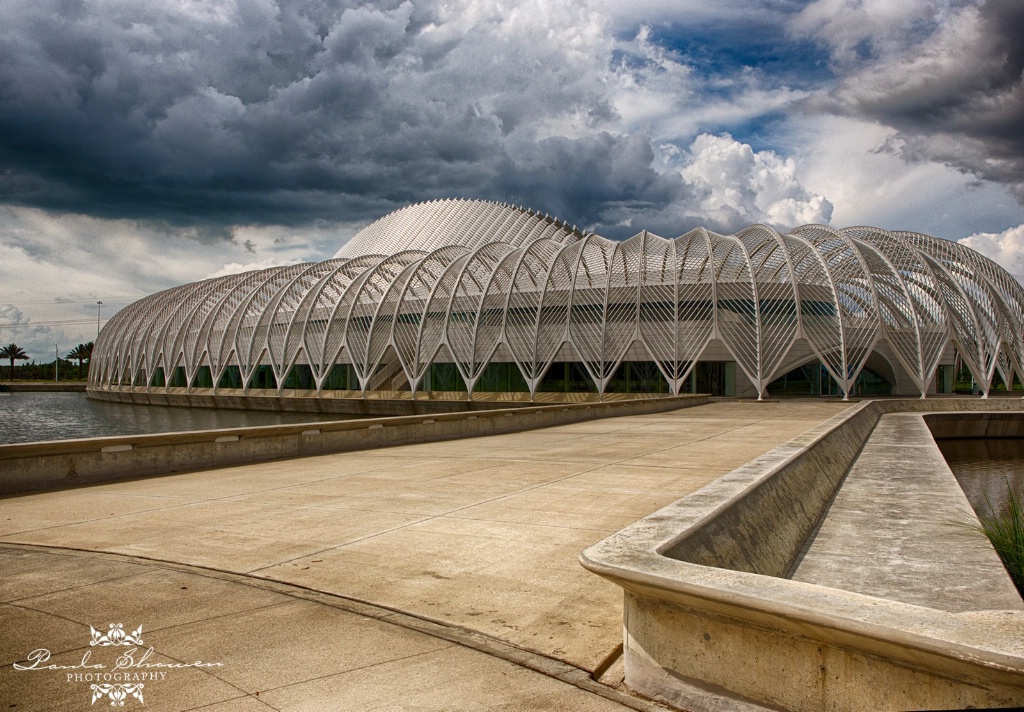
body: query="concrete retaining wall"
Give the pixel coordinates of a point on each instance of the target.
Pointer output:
(708, 620)
(768, 513)
(376, 403)
(32, 466)
(945, 426)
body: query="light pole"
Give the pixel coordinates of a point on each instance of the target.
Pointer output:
(56, 360)
(99, 306)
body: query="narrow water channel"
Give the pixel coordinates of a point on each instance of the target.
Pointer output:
(984, 467)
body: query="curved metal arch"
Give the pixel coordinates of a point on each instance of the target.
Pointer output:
(196, 341)
(175, 329)
(124, 349)
(776, 295)
(815, 316)
(432, 336)
(225, 320)
(147, 317)
(657, 298)
(374, 327)
(309, 286)
(1009, 292)
(922, 284)
(267, 297)
(338, 296)
(694, 314)
(169, 338)
(161, 316)
(214, 331)
(231, 315)
(462, 334)
(409, 326)
(965, 329)
(114, 343)
(621, 326)
(556, 307)
(139, 336)
(524, 304)
(852, 289)
(588, 308)
(905, 261)
(898, 318)
(980, 297)
(733, 297)
(280, 315)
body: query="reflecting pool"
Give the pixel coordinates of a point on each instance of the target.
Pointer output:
(30, 417)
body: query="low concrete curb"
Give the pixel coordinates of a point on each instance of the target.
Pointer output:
(63, 463)
(57, 387)
(710, 623)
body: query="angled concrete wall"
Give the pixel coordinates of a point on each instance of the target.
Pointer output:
(708, 617)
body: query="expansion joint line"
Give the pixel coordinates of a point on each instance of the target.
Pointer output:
(453, 633)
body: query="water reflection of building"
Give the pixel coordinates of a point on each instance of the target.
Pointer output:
(478, 297)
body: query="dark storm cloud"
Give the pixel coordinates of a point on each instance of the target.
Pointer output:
(266, 112)
(955, 95)
(148, 110)
(574, 176)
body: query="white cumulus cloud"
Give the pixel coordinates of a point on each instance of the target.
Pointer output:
(1005, 248)
(239, 267)
(734, 184)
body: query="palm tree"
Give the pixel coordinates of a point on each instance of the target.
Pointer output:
(82, 352)
(12, 352)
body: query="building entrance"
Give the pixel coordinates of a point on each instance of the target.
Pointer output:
(717, 378)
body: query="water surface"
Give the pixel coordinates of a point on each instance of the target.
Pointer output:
(984, 467)
(30, 417)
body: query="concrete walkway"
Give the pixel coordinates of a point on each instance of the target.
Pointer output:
(262, 646)
(481, 534)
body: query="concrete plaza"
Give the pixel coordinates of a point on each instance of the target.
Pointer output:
(462, 554)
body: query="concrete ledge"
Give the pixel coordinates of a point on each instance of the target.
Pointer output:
(55, 387)
(41, 465)
(376, 403)
(710, 625)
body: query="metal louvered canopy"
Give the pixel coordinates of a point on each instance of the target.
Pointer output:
(474, 283)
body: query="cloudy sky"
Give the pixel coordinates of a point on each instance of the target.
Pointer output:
(147, 144)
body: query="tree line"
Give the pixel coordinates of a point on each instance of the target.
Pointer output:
(33, 371)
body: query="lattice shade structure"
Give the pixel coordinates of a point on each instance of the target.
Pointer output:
(474, 285)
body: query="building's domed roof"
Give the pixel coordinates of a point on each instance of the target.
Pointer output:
(469, 223)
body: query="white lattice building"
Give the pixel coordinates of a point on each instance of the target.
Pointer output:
(475, 296)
